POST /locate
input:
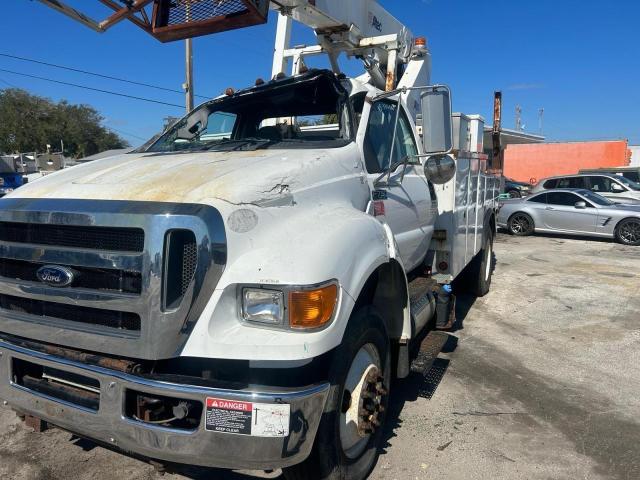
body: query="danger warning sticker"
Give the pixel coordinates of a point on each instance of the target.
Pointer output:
(247, 418)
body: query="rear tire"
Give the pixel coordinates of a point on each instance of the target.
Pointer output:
(514, 194)
(483, 269)
(521, 224)
(628, 232)
(340, 451)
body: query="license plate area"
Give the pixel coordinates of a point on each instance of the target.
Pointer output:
(70, 388)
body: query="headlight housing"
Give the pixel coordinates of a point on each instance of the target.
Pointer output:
(290, 307)
(263, 306)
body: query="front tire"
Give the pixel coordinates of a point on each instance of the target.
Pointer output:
(521, 224)
(628, 232)
(351, 430)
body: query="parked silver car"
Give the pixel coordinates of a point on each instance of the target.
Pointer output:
(615, 187)
(574, 212)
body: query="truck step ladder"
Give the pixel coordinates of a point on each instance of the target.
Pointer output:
(430, 348)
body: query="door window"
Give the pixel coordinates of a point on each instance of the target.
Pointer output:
(600, 184)
(549, 184)
(562, 199)
(538, 199)
(571, 182)
(379, 137)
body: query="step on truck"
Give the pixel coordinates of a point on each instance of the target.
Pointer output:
(240, 292)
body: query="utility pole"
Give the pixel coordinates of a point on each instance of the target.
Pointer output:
(497, 157)
(518, 118)
(541, 121)
(188, 85)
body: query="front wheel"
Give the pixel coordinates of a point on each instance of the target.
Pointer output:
(628, 232)
(521, 224)
(351, 429)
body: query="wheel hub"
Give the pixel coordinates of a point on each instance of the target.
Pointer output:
(371, 403)
(362, 401)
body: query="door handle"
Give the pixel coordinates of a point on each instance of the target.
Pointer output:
(549, 208)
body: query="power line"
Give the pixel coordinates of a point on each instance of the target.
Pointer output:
(7, 83)
(86, 72)
(129, 134)
(133, 97)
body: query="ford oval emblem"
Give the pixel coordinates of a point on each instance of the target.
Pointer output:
(55, 276)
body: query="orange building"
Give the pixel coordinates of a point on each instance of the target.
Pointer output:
(528, 162)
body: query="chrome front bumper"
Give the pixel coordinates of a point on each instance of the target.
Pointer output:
(198, 447)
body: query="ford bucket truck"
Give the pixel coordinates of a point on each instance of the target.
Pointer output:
(240, 292)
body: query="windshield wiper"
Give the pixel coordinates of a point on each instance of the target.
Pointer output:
(255, 142)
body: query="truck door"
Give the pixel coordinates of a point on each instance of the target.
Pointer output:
(406, 199)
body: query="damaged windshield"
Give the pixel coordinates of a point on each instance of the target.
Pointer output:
(292, 113)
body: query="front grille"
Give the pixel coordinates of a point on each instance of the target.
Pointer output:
(93, 278)
(189, 264)
(181, 260)
(95, 238)
(85, 315)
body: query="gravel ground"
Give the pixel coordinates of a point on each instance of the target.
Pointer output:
(539, 381)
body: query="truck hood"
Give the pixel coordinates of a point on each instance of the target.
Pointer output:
(262, 177)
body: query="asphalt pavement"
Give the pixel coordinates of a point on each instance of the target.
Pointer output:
(540, 380)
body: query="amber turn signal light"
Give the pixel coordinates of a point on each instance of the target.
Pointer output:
(312, 308)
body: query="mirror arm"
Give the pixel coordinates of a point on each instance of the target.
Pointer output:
(393, 168)
(395, 133)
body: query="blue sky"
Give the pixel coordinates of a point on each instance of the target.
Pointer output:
(577, 59)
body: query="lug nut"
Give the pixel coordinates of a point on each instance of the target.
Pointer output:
(367, 394)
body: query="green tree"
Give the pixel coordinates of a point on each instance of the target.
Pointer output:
(29, 123)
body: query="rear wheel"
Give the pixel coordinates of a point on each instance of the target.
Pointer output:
(476, 278)
(514, 194)
(628, 232)
(521, 224)
(351, 429)
(484, 268)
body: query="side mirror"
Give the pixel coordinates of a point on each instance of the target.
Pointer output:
(616, 188)
(439, 169)
(437, 125)
(580, 205)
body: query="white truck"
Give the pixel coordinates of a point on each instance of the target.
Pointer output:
(240, 293)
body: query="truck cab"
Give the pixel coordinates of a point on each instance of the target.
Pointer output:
(240, 292)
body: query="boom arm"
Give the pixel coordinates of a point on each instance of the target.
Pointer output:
(357, 28)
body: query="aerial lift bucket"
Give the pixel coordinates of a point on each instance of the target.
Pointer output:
(180, 19)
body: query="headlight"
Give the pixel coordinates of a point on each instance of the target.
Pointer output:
(263, 306)
(299, 308)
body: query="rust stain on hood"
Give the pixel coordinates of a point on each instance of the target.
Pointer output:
(234, 177)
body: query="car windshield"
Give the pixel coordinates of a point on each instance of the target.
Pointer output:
(291, 113)
(632, 185)
(595, 198)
